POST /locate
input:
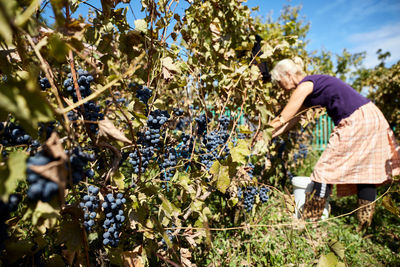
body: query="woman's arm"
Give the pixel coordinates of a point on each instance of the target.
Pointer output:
(287, 126)
(286, 119)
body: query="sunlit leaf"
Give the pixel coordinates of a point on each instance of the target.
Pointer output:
(141, 25)
(240, 152)
(11, 174)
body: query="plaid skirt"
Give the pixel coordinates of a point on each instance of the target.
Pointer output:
(362, 149)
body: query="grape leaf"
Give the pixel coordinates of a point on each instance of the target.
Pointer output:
(118, 180)
(141, 25)
(44, 216)
(71, 234)
(107, 130)
(24, 100)
(240, 152)
(328, 260)
(169, 208)
(134, 257)
(17, 250)
(390, 205)
(337, 248)
(221, 175)
(12, 173)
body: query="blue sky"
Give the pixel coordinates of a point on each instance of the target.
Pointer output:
(357, 25)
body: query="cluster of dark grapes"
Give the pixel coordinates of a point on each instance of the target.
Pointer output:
(145, 156)
(202, 122)
(248, 195)
(84, 80)
(114, 218)
(89, 205)
(185, 148)
(263, 194)
(168, 165)
(119, 100)
(241, 136)
(44, 83)
(150, 140)
(157, 118)
(214, 142)
(144, 94)
(91, 110)
(303, 151)
(250, 170)
(40, 188)
(12, 134)
(79, 160)
(5, 209)
(224, 122)
(178, 111)
(123, 101)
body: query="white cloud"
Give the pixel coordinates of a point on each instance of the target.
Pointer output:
(329, 7)
(387, 38)
(344, 12)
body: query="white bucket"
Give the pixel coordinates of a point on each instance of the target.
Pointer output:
(301, 185)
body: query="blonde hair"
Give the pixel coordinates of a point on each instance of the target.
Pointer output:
(294, 66)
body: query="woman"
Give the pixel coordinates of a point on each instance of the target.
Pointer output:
(362, 151)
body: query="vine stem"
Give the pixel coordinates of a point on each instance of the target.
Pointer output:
(50, 76)
(284, 224)
(168, 260)
(131, 133)
(235, 122)
(98, 92)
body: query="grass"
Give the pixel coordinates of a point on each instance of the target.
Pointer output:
(300, 244)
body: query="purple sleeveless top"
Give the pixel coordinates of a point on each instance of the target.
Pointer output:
(339, 98)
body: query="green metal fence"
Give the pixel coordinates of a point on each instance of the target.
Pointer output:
(322, 131)
(230, 115)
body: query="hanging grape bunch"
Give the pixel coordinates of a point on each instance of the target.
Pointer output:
(13, 135)
(79, 160)
(143, 93)
(248, 194)
(202, 122)
(44, 83)
(91, 110)
(214, 142)
(89, 205)
(149, 141)
(113, 209)
(168, 165)
(40, 188)
(185, 148)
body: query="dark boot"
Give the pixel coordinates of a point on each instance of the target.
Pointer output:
(365, 214)
(313, 207)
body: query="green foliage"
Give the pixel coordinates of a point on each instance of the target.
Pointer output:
(201, 60)
(12, 173)
(278, 240)
(384, 86)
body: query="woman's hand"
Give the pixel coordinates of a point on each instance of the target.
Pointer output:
(286, 119)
